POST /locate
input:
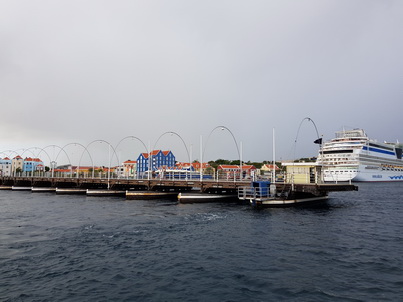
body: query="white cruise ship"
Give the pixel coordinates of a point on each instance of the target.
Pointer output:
(351, 155)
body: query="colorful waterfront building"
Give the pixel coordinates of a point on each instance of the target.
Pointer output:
(195, 166)
(129, 169)
(268, 168)
(32, 164)
(302, 172)
(156, 160)
(5, 166)
(17, 164)
(231, 171)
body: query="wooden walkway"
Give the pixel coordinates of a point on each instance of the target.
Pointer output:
(163, 185)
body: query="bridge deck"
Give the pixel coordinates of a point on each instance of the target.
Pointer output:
(217, 186)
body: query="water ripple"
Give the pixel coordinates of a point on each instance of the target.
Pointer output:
(73, 248)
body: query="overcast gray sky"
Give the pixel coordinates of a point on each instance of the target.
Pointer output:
(79, 71)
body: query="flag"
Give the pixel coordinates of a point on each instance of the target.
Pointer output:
(318, 141)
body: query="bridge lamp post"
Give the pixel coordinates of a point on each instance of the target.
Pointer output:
(81, 157)
(132, 137)
(149, 162)
(53, 165)
(109, 159)
(62, 149)
(53, 162)
(71, 164)
(180, 137)
(222, 128)
(317, 134)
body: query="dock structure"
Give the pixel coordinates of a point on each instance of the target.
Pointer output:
(160, 185)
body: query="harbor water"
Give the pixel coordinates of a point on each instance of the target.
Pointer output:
(79, 248)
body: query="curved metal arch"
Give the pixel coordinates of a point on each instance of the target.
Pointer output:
(236, 145)
(13, 151)
(61, 149)
(133, 137)
(93, 167)
(28, 149)
(110, 145)
(299, 128)
(9, 154)
(172, 132)
(55, 159)
(85, 149)
(37, 155)
(309, 120)
(233, 137)
(41, 149)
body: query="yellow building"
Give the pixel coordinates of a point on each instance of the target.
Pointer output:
(17, 163)
(302, 173)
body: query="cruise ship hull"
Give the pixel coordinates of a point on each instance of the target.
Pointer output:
(361, 174)
(352, 156)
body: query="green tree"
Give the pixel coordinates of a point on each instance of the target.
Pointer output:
(212, 164)
(222, 162)
(209, 170)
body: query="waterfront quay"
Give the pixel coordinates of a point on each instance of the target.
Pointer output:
(161, 185)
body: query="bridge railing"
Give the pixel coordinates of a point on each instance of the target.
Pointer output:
(256, 193)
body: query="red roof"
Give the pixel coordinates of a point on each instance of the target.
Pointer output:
(130, 162)
(62, 170)
(84, 167)
(155, 152)
(270, 167)
(32, 159)
(248, 167)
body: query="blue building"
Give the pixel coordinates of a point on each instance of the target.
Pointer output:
(32, 164)
(159, 160)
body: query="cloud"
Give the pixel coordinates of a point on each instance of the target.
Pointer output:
(73, 71)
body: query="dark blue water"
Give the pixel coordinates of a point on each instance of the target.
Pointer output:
(77, 248)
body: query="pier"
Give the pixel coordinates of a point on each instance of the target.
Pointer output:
(115, 186)
(157, 174)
